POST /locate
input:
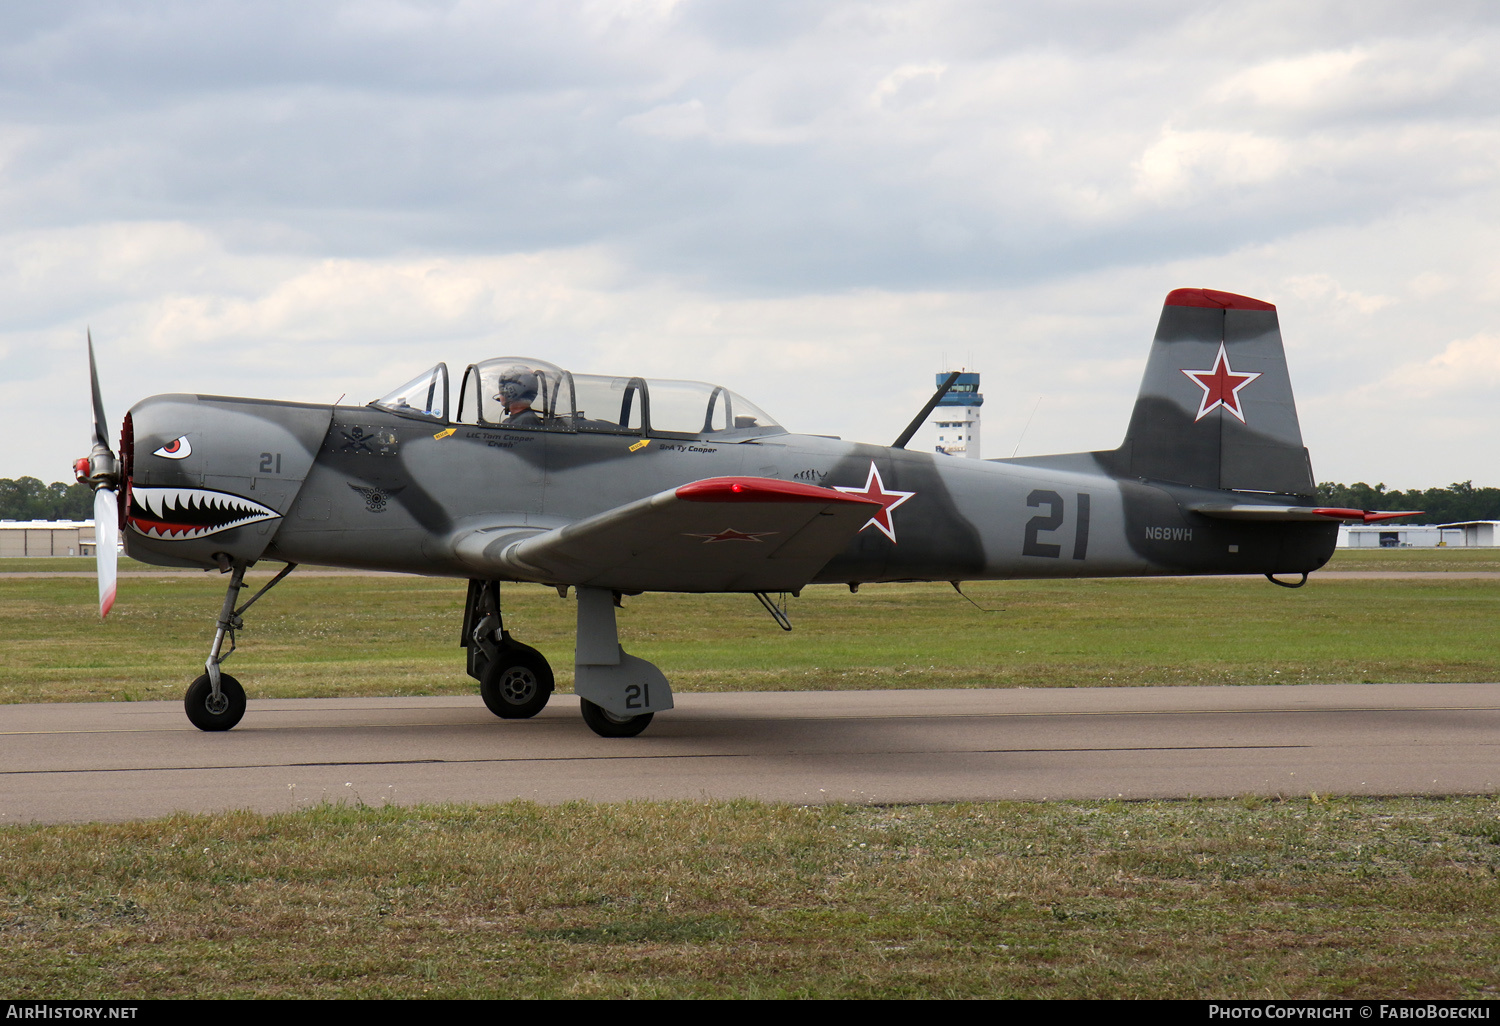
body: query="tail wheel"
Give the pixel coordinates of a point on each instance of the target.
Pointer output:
(607, 724)
(210, 713)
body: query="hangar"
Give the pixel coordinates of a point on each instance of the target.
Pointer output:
(46, 538)
(1466, 534)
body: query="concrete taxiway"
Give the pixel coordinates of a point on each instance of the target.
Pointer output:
(118, 761)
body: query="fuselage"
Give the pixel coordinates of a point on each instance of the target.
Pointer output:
(365, 488)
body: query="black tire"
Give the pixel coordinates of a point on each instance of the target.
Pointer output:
(516, 686)
(607, 724)
(200, 708)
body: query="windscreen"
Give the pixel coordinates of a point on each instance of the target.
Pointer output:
(425, 395)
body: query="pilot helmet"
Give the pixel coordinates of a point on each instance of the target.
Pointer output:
(517, 384)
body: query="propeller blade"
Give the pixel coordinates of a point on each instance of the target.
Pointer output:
(100, 438)
(106, 546)
(101, 471)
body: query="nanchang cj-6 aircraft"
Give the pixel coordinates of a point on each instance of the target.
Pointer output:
(613, 486)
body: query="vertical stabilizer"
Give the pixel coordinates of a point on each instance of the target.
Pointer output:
(1215, 408)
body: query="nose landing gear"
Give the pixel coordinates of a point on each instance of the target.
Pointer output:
(216, 701)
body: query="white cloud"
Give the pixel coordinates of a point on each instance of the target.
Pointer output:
(1467, 368)
(909, 85)
(1184, 166)
(1321, 288)
(671, 120)
(1307, 81)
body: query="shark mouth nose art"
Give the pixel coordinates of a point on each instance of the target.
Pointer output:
(184, 513)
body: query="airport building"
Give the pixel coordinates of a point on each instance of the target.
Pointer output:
(46, 538)
(956, 416)
(1468, 534)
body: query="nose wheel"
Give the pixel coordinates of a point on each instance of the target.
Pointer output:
(210, 711)
(216, 701)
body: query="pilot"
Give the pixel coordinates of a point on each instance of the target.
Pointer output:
(517, 391)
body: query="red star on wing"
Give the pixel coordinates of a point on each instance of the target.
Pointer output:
(1221, 387)
(730, 534)
(874, 490)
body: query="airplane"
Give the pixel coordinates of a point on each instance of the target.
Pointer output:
(616, 485)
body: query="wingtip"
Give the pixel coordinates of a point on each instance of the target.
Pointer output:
(1368, 516)
(1376, 515)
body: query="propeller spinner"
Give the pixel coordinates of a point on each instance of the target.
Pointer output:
(100, 470)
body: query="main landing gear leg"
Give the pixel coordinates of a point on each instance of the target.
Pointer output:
(216, 701)
(514, 679)
(618, 692)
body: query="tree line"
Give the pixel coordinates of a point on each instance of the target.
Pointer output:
(1458, 502)
(26, 498)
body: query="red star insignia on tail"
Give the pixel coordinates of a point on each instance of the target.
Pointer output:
(874, 490)
(1221, 387)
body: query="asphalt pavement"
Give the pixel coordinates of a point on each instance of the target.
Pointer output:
(120, 761)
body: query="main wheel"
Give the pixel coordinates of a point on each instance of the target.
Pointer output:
(209, 714)
(516, 686)
(607, 724)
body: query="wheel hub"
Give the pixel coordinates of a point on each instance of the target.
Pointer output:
(216, 704)
(518, 685)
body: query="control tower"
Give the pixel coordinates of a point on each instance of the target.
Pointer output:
(956, 416)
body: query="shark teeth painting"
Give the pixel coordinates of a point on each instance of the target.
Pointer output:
(184, 513)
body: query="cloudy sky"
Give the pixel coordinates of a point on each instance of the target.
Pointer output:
(818, 203)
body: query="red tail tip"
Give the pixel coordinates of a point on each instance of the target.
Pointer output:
(1215, 300)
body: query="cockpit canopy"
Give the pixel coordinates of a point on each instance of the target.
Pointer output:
(522, 393)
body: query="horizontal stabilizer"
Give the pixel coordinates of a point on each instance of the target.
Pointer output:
(1247, 511)
(720, 534)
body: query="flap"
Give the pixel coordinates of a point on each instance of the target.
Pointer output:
(721, 534)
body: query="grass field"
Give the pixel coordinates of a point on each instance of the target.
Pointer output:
(392, 635)
(1296, 899)
(1306, 898)
(1417, 560)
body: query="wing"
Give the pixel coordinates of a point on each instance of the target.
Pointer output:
(721, 534)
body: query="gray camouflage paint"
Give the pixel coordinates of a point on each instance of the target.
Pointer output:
(362, 487)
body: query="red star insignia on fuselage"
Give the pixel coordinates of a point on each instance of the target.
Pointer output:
(874, 490)
(730, 534)
(1221, 387)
